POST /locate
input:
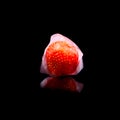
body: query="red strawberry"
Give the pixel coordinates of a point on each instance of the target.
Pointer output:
(61, 57)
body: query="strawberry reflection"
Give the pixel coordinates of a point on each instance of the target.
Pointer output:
(62, 83)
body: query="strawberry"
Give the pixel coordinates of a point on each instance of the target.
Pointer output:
(62, 58)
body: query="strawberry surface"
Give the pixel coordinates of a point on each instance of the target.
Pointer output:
(61, 58)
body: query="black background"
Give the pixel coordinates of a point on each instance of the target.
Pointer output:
(89, 27)
(29, 27)
(85, 29)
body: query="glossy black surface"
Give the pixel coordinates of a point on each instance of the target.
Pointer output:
(90, 26)
(88, 33)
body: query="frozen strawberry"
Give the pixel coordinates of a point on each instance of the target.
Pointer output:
(61, 57)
